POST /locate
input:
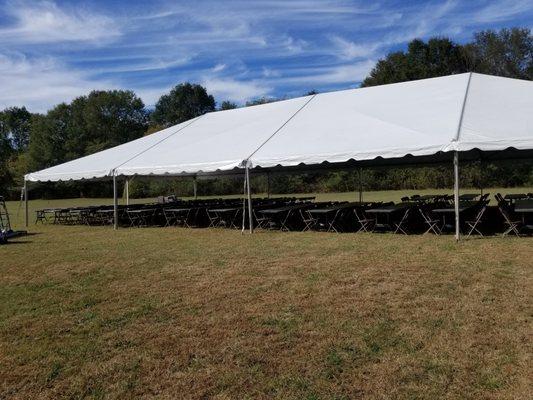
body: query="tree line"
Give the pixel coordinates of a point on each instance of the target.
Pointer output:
(103, 119)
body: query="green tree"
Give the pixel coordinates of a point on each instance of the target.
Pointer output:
(261, 100)
(101, 120)
(508, 52)
(15, 123)
(184, 102)
(49, 137)
(437, 57)
(227, 105)
(6, 152)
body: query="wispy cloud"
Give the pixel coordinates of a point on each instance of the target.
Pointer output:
(46, 22)
(348, 50)
(231, 89)
(40, 83)
(53, 50)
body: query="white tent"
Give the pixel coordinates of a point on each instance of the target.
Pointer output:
(418, 119)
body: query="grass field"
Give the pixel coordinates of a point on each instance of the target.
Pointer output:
(210, 313)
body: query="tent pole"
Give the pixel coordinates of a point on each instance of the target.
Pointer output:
(249, 195)
(195, 188)
(26, 203)
(115, 202)
(456, 193)
(268, 185)
(127, 187)
(360, 185)
(244, 205)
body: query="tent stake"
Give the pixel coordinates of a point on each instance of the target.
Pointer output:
(249, 193)
(115, 202)
(26, 203)
(456, 193)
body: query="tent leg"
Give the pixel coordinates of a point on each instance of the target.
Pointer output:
(195, 188)
(115, 203)
(127, 187)
(244, 205)
(360, 185)
(26, 217)
(249, 195)
(456, 193)
(268, 185)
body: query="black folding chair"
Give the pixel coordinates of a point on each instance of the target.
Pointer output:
(308, 219)
(432, 222)
(401, 223)
(473, 224)
(261, 221)
(510, 219)
(214, 219)
(367, 224)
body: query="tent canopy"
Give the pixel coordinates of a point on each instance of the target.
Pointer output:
(419, 120)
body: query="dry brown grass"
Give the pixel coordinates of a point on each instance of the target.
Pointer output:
(176, 313)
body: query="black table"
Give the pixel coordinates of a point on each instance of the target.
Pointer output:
(524, 206)
(525, 209)
(141, 217)
(177, 216)
(513, 197)
(469, 196)
(223, 216)
(331, 216)
(445, 212)
(281, 216)
(385, 216)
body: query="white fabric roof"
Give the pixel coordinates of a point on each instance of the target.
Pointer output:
(457, 112)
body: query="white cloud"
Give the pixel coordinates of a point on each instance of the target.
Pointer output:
(238, 91)
(219, 68)
(45, 22)
(347, 74)
(502, 10)
(40, 83)
(348, 50)
(269, 72)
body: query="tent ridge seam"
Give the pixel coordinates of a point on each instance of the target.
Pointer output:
(245, 162)
(463, 107)
(156, 144)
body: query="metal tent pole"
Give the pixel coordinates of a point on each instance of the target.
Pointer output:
(127, 187)
(268, 185)
(115, 202)
(244, 205)
(195, 188)
(456, 193)
(26, 203)
(249, 194)
(360, 185)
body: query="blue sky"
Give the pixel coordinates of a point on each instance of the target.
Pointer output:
(53, 51)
